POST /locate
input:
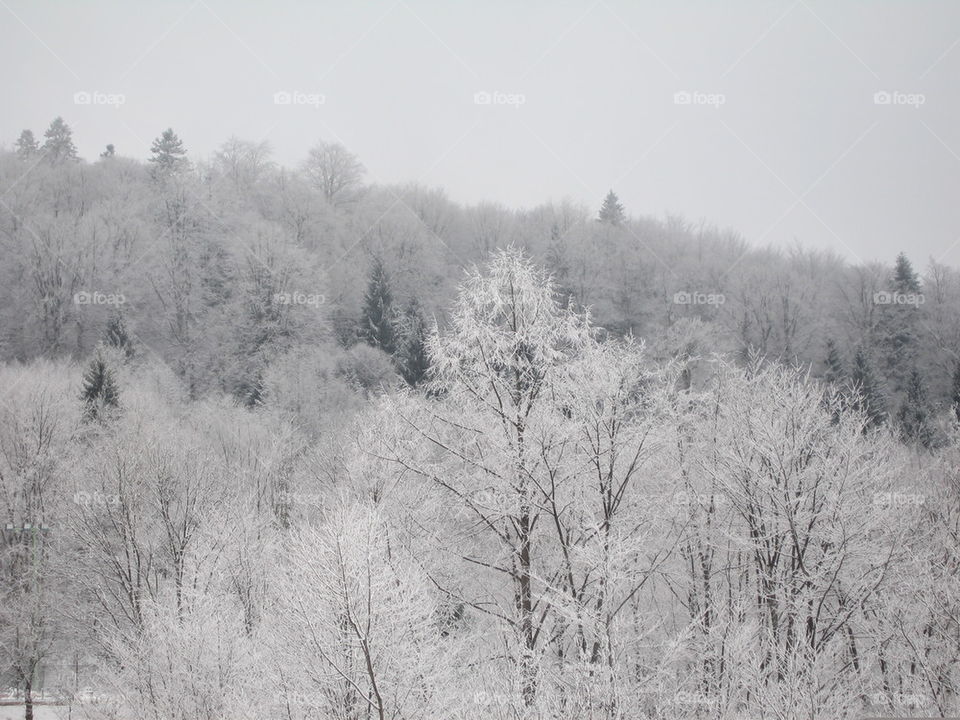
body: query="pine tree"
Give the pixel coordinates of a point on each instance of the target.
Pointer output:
(834, 372)
(412, 357)
(955, 391)
(27, 145)
(905, 278)
(116, 335)
(899, 320)
(376, 325)
(58, 142)
(251, 392)
(169, 155)
(868, 397)
(99, 389)
(611, 212)
(915, 414)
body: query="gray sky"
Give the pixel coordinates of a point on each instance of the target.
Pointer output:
(782, 137)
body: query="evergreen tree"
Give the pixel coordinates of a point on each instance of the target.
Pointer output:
(955, 391)
(27, 145)
(834, 371)
(251, 392)
(899, 320)
(99, 391)
(412, 357)
(169, 155)
(376, 325)
(868, 397)
(109, 152)
(58, 142)
(611, 212)
(905, 278)
(915, 415)
(116, 335)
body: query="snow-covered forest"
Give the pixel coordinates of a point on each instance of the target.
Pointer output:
(283, 443)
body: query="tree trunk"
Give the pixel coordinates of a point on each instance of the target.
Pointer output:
(28, 699)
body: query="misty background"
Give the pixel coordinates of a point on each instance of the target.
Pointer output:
(796, 149)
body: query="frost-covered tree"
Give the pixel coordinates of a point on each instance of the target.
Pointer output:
(99, 393)
(38, 420)
(915, 416)
(355, 624)
(334, 171)
(611, 212)
(168, 155)
(497, 369)
(377, 316)
(26, 145)
(955, 391)
(117, 336)
(868, 395)
(58, 144)
(834, 371)
(411, 352)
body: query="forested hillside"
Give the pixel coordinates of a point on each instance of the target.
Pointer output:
(230, 268)
(276, 442)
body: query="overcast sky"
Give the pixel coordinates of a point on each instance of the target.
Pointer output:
(782, 136)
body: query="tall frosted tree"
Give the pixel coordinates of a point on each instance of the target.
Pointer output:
(868, 395)
(26, 145)
(611, 212)
(955, 391)
(412, 356)
(376, 323)
(117, 336)
(915, 415)
(834, 371)
(333, 170)
(899, 323)
(169, 156)
(58, 144)
(100, 392)
(905, 278)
